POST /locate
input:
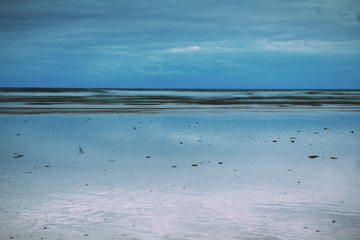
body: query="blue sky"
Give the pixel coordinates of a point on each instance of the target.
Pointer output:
(180, 44)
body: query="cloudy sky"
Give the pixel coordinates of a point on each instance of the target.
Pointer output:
(180, 43)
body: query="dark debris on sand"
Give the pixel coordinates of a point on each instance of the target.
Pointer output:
(81, 151)
(313, 156)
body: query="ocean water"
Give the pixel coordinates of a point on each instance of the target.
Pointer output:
(30, 100)
(179, 169)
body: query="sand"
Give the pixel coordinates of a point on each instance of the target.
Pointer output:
(180, 175)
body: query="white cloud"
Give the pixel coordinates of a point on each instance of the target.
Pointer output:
(203, 49)
(185, 49)
(305, 46)
(158, 71)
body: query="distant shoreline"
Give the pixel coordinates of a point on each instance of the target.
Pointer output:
(76, 89)
(46, 100)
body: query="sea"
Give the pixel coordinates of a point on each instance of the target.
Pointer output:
(49, 100)
(135, 164)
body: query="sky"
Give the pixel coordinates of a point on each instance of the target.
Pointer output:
(180, 43)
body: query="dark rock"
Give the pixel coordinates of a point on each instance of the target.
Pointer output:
(220, 162)
(313, 156)
(194, 165)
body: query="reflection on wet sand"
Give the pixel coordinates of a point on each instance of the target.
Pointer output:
(179, 173)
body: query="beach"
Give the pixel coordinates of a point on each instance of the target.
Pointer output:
(180, 172)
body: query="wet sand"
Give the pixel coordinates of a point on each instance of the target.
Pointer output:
(180, 175)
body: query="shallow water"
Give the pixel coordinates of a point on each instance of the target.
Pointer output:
(136, 178)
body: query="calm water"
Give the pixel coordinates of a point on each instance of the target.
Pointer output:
(179, 171)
